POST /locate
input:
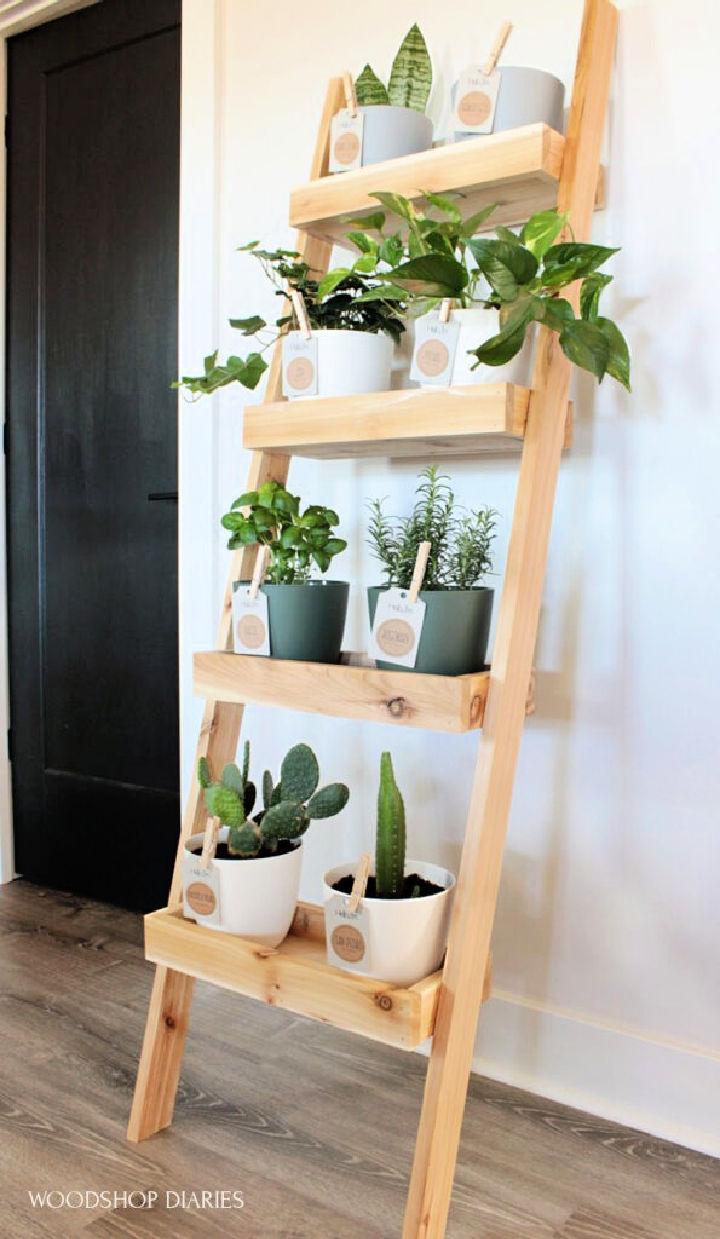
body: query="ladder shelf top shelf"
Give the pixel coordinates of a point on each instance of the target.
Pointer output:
(519, 170)
(440, 421)
(296, 976)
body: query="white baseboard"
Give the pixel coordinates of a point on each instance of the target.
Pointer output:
(664, 1088)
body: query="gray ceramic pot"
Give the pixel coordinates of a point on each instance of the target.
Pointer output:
(455, 631)
(526, 97)
(307, 620)
(389, 133)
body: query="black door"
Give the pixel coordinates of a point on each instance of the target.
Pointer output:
(93, 157)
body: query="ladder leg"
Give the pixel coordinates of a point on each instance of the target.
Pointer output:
(161, 1058)
(475, 899)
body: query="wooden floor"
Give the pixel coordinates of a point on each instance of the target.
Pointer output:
(313, 1126)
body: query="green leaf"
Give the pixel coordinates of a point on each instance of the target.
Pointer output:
(590, 291)
(541, 230)
(251, 245)
(328, 801)
(375, 221)
(500, 348)
(587, 346)
(506, 234)
(474, 222)
(322, 559)
(411, 73)
(247, 500)
(299, 773)
(365, 264)
(362, 242)
(618, 365)
(397, 203)
(203, 772)
(383, 292)
(249, 326)
(573, 260)
(334, 546)
(391, 250)
(504, 266)
(329, 282)
(555, 312)
(266, 493)
(369, 90)
(444, 204)
(430, 275)
(232, 778)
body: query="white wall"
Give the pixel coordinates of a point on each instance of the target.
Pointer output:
(606, 943)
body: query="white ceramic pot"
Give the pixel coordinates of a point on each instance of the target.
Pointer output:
(257, 897)
(352, 362)
(477, 325)
(526, 97)
(407, 937)
(391, 132)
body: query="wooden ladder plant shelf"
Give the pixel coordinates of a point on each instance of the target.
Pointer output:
(523, 171)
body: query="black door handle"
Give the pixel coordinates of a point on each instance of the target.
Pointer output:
(163, 496)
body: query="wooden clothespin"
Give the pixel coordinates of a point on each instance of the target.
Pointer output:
(350, 96)
(419, 571)
(258, 575)
(445, 308)
(209, 842)
(359, 886)
(298, 303)
(497, 48)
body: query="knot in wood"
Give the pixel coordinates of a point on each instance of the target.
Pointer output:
(396, 706)
(169, 1021)
(384, 1001)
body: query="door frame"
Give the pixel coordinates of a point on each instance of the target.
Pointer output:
(198, 320)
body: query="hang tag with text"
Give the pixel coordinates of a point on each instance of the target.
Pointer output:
(348, 935)
(434, 353)
(299, 369)
(201, 890)
(396, 628)
(346, 141)
(251, 630)
(475, 100)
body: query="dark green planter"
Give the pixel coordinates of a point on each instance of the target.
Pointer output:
(307, 620)
(455, 633)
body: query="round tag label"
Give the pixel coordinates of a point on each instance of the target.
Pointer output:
(395, 637)
(300, 373)
(201, 898)
(251, 632)
(348, 943)
(432, 357)
(347, 148)
(474, 107)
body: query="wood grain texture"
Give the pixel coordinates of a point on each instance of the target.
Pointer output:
(169, 1013)
(73, 996)
(435, 702)
(479, 876)
(518, 170)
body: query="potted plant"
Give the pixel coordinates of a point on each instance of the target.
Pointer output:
(458, 609)
(407, 902)
(355, 336)
(525, 274)
(306, 617)
(394, 120)
(258, 859)
(525, 97)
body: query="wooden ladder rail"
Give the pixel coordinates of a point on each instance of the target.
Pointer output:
(171, 999)
(479, 877)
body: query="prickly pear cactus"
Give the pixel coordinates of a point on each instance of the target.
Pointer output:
(390, 838)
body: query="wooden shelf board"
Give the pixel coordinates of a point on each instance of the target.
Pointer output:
(296, 976)
(434, 702)
(518, 170)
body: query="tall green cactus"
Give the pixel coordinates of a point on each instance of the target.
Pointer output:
(289, 805)
(390, 837)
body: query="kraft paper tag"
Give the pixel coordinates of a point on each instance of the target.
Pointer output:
(346, 141)
(201, 891)
(396, 628)
(251, 631)
(475, 100)
(348, 935)
(299, 368)
(434, 354)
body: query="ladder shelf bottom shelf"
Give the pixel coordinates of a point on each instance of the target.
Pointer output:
(296, 977)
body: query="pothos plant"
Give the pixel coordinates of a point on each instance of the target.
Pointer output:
(520, 274)
(332, 304)
(270, 516)
(410, 77)
(288, 805)
(461, 542)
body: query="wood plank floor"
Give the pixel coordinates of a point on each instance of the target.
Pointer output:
(313, 1126)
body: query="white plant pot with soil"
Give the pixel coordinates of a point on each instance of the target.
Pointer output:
(350, 363)
(257, 896)
(407, 938)
(476, 326)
